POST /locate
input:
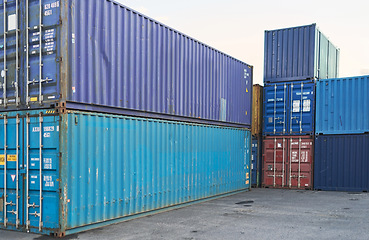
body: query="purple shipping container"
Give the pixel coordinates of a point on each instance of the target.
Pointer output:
(99, 55)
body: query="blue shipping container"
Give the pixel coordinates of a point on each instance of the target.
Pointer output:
(299, 53)
(98, 53)
(342, 105)
(256, 162)
(98, 169)
(289, 108)
(342, 163)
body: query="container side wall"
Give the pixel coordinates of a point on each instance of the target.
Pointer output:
(342, 105)
(299, 53)
(123, 59)
(289, 54)
(117, 166)
(341, 163)
(257, 110)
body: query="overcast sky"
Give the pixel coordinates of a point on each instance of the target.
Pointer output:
(236, 27)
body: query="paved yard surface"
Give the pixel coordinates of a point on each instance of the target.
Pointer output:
(259, 214)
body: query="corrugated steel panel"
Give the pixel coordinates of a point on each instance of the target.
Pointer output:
(342, 105)
(288, 162)
(299, 53)
(99, 167)
(257, 110)
(101, 53)
(342, 163)
(256, 169)
(289, 108)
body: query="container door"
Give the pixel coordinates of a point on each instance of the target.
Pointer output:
(300, 163)
(9, 53)
(254, 158)
(41, 142)
(275, 109)
(302, 108)
(11, 183)
(274, 162)
(42, 33)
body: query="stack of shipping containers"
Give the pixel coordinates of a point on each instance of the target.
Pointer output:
(294, 59)
(107, 114)
(256, 130)
(342, 134)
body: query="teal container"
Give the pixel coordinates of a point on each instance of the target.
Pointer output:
(99, 169)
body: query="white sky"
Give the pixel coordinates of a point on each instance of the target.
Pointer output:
(236, 27)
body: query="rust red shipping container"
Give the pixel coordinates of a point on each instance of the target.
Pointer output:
(288, 161)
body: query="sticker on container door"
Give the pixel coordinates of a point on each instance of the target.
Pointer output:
(306, 105)
(296, 106)
(10, 158)
(48, 181)
(12, 22)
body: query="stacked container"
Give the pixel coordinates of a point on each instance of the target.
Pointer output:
(257, 126)
(294, 59)
(107, 115)
(342, 134)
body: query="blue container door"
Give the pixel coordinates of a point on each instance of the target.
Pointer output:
(41, 134)
(41, 77)
(301, 108)
(11, 180)
(255, 163)
(275, 109)
(9, 53)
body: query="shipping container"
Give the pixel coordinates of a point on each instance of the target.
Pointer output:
(87, 54)
(257, 110)
(98, 169)
(256, 162)
(299, 53)
(289, 108)
(342, 105)
(342, 163)
(288, 162)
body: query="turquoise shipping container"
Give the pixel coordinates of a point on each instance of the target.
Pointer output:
(99, 169)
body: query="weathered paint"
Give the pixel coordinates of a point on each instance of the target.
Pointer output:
(342, 105)
(289, 108)
(257, 110)
(288, 162)
(299, 53)
(342, 163)
(100, 53)
(99, 168)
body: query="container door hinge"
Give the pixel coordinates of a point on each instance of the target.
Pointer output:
(59, 59)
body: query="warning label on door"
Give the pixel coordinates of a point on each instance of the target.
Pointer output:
(10, 158)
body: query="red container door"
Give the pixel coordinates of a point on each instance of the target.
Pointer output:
(274, 162)
(287, 162)
(300, 162)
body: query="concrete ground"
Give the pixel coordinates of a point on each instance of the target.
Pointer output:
(259, 214)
